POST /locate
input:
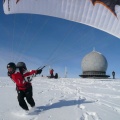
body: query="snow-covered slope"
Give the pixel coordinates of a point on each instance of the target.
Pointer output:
(64, 99)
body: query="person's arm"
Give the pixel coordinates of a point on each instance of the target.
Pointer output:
(29, 75)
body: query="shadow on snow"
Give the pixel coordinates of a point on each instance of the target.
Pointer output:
(59, 104)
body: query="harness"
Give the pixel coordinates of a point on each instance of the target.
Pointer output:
(27, 85)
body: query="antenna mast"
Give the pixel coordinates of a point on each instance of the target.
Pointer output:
(66, 72)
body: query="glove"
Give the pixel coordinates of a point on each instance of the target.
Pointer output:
(39, 71)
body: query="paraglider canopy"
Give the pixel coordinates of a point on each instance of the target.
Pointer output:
(101, 14)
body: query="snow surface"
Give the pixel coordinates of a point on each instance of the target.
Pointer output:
(64, 99)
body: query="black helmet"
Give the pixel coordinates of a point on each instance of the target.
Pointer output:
(21, 65)
(11, 65)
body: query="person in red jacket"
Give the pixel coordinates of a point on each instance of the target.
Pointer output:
(51, 73)
(22, 78)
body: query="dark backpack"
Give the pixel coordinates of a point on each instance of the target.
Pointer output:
(56, 75)
(21, 66)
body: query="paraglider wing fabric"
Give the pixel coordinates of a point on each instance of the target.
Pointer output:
(110, 4)
(101, 14)
(17, 1)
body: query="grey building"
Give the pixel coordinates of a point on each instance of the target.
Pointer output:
(94, 65)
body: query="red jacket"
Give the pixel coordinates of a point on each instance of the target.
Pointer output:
(22, 81)
(51, 71)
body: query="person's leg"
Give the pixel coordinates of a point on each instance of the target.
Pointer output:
(21, 100)
(52, 76)
(29, 97)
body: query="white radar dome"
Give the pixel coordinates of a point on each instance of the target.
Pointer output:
(94, 61)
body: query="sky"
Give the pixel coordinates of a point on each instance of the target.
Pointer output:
(63, 99)
(42, 40)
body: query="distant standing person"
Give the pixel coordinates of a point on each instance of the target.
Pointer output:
(113, 74)
(51, 73)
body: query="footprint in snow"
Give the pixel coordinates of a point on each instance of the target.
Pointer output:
(93, 115)
(50, 102)
(81, 107)
(84, 117)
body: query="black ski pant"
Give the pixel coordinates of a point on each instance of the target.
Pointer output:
(51, 76)
(28, 95)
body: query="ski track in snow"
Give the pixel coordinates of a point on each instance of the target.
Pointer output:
(80, 93)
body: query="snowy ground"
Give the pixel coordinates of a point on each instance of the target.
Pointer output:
(64, 99)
